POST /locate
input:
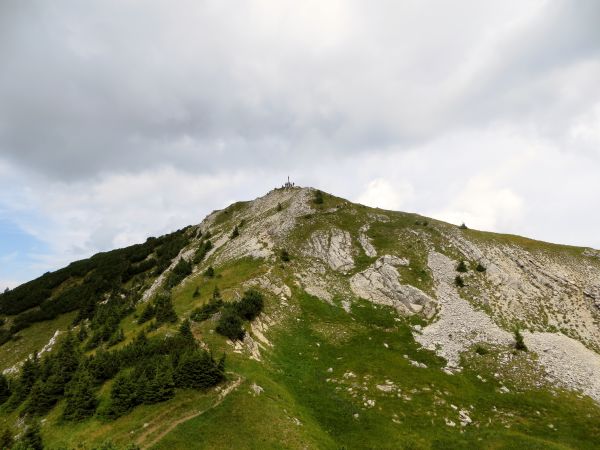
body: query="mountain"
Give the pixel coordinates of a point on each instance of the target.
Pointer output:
(315, 323)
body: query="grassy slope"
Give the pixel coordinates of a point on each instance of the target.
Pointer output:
(299, 408)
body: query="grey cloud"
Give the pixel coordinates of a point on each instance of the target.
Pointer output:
(109, 86)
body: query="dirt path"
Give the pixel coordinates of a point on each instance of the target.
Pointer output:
(222, 395)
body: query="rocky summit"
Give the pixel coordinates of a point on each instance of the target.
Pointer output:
(302, 320)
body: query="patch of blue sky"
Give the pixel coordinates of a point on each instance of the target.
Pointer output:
(19, 252)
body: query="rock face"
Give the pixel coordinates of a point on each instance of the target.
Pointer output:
(380, 283)
(541, 290)
(333, 247)
(458, 325)
(365, 242)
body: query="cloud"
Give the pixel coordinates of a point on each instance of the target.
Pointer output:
(123, 119)
(380, 193)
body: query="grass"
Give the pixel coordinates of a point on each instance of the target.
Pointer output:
(31, 339)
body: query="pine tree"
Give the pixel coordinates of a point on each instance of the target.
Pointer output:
(4, 389)
(230, 325)
(161, 387)
(235, 233)
(318, 198)
(31, 438)
(122, 395)
(185, 331)
(197, 370)
(81, 400)
(6, 438)
(164, 309)
(148, 313)
(251, 305)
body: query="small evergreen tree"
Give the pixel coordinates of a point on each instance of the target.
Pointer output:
(6, 438)
(148, 313)
(198, 370)
(164, 309)
(196, 292)
(251, 305)
(318, 197)
(230, 325)
(285, 256)
(463, 226)
(519, 341)
(31, 438)
(161, 387)
(462, 267)
(480, 268)
(235, 233)
(458, 281)
(279, 207)
(185, 331)
(81, 401)
(210, 272)
(4, 389)
(122, 395)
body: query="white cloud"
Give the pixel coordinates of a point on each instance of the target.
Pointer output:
(380, 193)
(483, 206)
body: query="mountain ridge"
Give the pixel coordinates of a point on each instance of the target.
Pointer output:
(438, 299)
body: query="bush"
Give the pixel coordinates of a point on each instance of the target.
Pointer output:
(210, 272)
(458, 281)
(279, 207)
(230, 325)
(318, 197)
(480, 268)
(519, 342)
(235, 233)
(196, 293)
(481, 350)
(285, 256)
(251, 305)
(462, 267)
(463, 226)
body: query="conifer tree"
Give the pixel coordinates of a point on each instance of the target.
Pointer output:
(81, 400)
(185, 331)
(197, 370)
(235, 233)
(122, 395)
(164, 309)
(31, 438)
(4, 389)
(6, 438)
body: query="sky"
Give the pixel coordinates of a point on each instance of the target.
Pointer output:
(123, 119)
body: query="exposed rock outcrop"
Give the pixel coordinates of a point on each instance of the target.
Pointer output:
(380, 284)
(333, 247)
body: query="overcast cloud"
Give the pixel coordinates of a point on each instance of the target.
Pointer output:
(122, 119)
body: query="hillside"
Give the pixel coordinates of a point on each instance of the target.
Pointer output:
(349, 326)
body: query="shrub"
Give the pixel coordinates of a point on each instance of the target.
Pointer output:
(318, 197)
(463, 226)
(519, 342)
(462, 267)
(481, 350)
(210, 272)
(251, 305)
(196, 292)
(458, 281)
(285, 256)
(235, 233)
(279, 207)
(480, 268)
(230, 325)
